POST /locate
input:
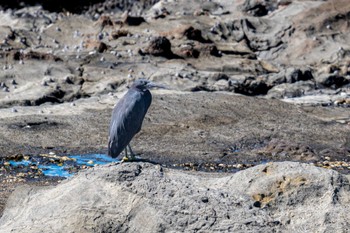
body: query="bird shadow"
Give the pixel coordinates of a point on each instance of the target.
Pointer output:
(137, 160)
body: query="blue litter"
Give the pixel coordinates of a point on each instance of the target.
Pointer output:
(92, 159)
(20, 163)
(55, 170)
(52, 169)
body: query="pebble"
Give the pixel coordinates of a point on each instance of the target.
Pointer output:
(23, 40)
(76, 34)
(14, 110)
(178, 75)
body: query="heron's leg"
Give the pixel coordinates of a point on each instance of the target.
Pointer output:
(125, 158)
(132, 155)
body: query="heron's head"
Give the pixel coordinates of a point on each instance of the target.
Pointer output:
(144, 84)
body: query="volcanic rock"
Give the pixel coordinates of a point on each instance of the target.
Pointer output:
(143, 197)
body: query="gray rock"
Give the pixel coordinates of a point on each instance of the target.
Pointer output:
(251, 86)
(291, 90)
(331, 80)
(289, 75)
(276, 78)
(140, 197)
(160, 46)
(293, 75)
(256, 8)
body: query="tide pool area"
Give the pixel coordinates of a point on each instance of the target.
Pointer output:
(34, 166)
(93, 159)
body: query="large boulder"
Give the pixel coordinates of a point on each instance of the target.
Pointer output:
(141, 197)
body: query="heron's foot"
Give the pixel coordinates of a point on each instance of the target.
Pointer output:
(130, 158)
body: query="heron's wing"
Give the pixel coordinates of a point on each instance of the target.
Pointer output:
(127, 118)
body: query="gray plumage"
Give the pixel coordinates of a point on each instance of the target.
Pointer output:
(127, 117)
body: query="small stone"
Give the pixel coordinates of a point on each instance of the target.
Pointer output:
(14, 110)
(76, 33)
(339, 102)
(178, 75)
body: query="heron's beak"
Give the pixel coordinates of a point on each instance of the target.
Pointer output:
(155, 85)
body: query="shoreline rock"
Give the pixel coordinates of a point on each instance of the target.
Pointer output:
(143, 197)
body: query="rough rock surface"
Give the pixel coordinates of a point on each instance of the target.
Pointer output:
(140, 197)
(186, 127)
(63, 68)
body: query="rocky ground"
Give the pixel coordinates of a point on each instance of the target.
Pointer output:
(139, 197)
(250, 81)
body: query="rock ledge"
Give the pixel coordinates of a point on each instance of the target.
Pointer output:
(140, 197)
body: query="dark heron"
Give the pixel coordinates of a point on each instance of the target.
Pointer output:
(127, 117)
